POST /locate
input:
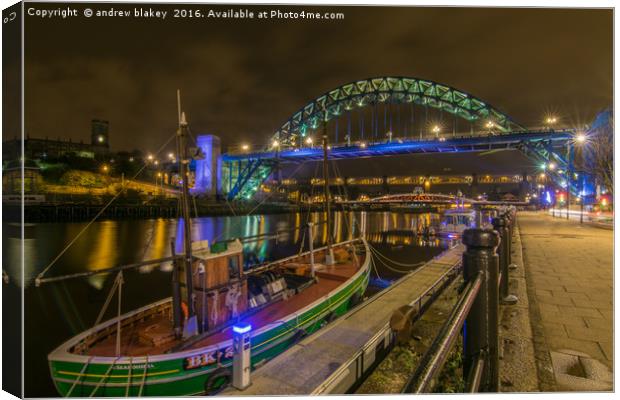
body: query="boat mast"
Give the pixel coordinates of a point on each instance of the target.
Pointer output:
(191, 325)
(329, 256)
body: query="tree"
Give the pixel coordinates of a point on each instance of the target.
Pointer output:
(599, 150)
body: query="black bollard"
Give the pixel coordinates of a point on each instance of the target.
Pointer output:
(501, 226)
(480, 332)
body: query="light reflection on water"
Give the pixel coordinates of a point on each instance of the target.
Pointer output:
(64, 309)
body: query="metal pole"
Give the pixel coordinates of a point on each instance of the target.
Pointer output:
(500, 225)
(118, 322)
(176, 294)
(191, 327)
(582, 196)
(481, 326)
(311, 246)
(569, 168)
(329, 256)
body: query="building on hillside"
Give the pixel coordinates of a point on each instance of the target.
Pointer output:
(44, 149)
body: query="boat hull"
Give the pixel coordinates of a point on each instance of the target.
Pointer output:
(196, 371)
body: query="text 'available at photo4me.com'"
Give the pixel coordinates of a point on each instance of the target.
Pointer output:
(190, 12)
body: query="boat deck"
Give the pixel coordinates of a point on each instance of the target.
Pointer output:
(329, 278)
(338, 344)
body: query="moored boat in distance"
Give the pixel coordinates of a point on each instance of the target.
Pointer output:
(455, 221)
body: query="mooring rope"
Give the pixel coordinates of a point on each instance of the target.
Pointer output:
(64, 250)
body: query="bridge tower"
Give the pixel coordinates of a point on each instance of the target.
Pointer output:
(208, 170)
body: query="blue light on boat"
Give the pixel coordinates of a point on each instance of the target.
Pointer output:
(242, 328)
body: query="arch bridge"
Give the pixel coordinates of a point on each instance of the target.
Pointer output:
(392, 115)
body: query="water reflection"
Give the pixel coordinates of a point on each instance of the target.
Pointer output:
(62, 310)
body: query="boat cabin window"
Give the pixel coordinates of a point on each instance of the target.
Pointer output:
(459, 220)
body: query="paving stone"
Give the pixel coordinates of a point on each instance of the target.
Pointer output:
(587, 333)
(598, 323)
(575, 263)
(579, 311)
(560, 301)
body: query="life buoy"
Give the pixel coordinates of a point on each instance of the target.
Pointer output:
(217, 381)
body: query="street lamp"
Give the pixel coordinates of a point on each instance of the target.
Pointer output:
(150, 157)
(309, 141)
(245, 147)
(275, 144)
(551, 120)
(436, 129)
(580, 138)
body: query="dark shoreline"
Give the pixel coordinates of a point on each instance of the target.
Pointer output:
(80, 212)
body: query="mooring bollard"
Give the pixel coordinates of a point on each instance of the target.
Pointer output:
(511, 225)
(480, 333)
(500, 224)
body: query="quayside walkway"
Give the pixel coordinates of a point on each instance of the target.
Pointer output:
(569, 272)
(305, 368)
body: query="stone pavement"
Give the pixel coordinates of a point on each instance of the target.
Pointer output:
(569, 269)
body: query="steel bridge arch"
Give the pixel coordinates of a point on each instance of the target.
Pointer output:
(392, 89)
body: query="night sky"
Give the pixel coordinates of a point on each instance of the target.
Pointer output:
(241, 79)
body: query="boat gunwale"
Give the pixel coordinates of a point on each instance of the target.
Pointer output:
(62, 353)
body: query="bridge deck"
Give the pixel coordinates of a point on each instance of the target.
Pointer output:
(302, 369)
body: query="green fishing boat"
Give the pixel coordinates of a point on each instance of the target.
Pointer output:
(182, 345)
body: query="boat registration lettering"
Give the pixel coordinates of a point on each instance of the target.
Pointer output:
(202, 360)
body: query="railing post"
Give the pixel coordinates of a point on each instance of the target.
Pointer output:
(500, 224)
(510, 223)
(480, 333)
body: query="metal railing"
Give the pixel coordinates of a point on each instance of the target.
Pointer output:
(486, 265)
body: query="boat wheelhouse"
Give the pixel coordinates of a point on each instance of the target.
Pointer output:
(455, 221)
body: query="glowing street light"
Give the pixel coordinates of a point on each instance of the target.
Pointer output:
(363, 145)
(171, 156)
(245, 147)
(156, 162)
(105, 168)
(551, 120)
(150, 157)
(436, 129)
(308, 140)
(580, 138)
(100, 139)
(275, 144)
(552, 166)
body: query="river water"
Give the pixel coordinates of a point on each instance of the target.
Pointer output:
(55, 312)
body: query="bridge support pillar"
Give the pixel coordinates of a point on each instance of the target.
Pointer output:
(208, 170)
